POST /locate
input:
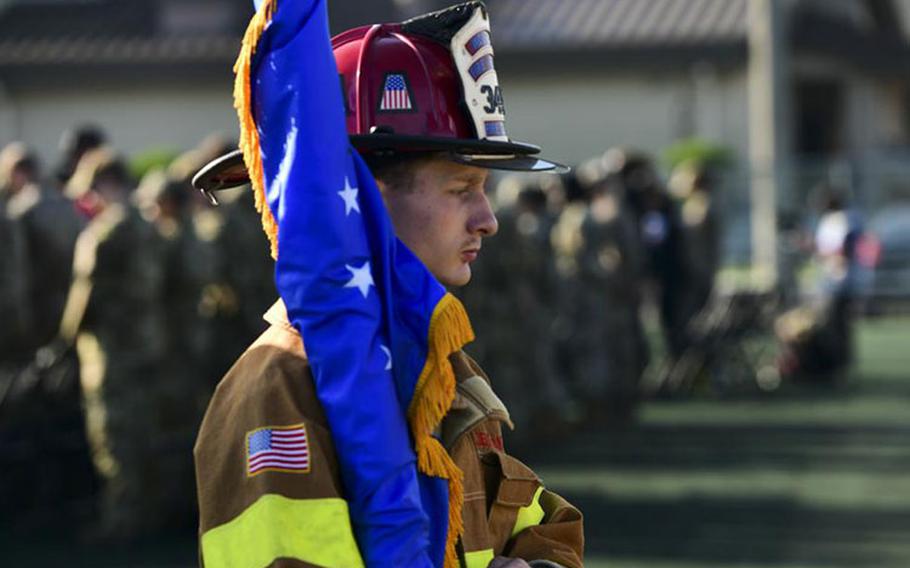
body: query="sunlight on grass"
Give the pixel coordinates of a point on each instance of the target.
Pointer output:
(826, 466)
(816, 488)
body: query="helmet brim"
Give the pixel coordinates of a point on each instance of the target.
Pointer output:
(511, 163)
(511, 156)
(378, 142)
(224, 172)
(229, 171)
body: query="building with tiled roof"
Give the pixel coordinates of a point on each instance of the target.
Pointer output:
(578, 75)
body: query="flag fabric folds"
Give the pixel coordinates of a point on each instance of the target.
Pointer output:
(377, 326)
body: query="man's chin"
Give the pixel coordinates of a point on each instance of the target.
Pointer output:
(457, 278)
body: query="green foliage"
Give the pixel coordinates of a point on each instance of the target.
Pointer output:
(145, 161)
(698, 151)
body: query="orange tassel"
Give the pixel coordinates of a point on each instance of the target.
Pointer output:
(450, 330)
(249, 135)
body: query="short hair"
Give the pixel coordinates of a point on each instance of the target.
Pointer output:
(27, 165)
(97, 165)
(397, 170)
(16, 156)
(77, 141)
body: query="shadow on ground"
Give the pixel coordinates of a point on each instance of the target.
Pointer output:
(724, 532)
(854, 448)
(691, 487)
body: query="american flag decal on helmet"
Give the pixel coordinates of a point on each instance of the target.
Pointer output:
(396, 96)
(277, 448)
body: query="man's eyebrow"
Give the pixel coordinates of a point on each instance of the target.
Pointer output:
(469, 177)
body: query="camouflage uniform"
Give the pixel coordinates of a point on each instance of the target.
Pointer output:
(45, 405)
(50, 226)
(14, 306)
(244, 288)
(692, 186)
(569, 329)
(14, 473)
(238, 277)
(188, 267)
(662, 240)
(612, 352)
(115, 304)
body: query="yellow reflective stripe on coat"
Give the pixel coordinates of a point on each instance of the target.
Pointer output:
(529, 516)
(478, 558)
(317, 531)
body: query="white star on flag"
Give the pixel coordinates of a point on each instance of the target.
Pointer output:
(349, 195)
(388, 353)
(360, 278)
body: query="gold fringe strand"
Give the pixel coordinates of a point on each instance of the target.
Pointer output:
(249, 135)
(450, 330)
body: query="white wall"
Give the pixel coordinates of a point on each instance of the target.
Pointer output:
(135, 119)
(576, 116)
(573, 117)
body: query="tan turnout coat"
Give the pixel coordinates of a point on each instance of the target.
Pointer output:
(506, 510)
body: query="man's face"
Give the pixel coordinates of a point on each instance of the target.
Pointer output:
(443, 217)
(17, 180)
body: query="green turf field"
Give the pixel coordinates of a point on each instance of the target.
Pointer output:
(805, 477)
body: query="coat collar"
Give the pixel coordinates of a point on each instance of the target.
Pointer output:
(277, 315)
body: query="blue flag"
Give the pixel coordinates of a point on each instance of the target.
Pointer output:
(377, 326)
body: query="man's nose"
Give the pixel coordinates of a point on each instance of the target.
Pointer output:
(483, 220)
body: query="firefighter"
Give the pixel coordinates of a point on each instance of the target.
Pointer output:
(425, 112)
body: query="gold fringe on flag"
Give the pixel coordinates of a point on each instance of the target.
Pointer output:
(450, 330)
(249, 135)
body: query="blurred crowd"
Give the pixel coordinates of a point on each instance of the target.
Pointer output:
(122, 304)
(558, 294)
(125, 297)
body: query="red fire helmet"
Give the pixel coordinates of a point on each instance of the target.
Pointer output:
(424, 85)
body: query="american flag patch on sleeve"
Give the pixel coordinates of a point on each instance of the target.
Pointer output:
(277, 448)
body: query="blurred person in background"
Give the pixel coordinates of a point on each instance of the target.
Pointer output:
(244, 290)
(73, 144)
(567, 242)
(610, 266)
(43, 402)
(15, 306)
(602, 264)
(189, 258)
(17, 437)
(240, 292)
(692, 185)
(661, 236)
(837, 235)
(817, 335)
(114, 315)
(50, 226)
(513, 288)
